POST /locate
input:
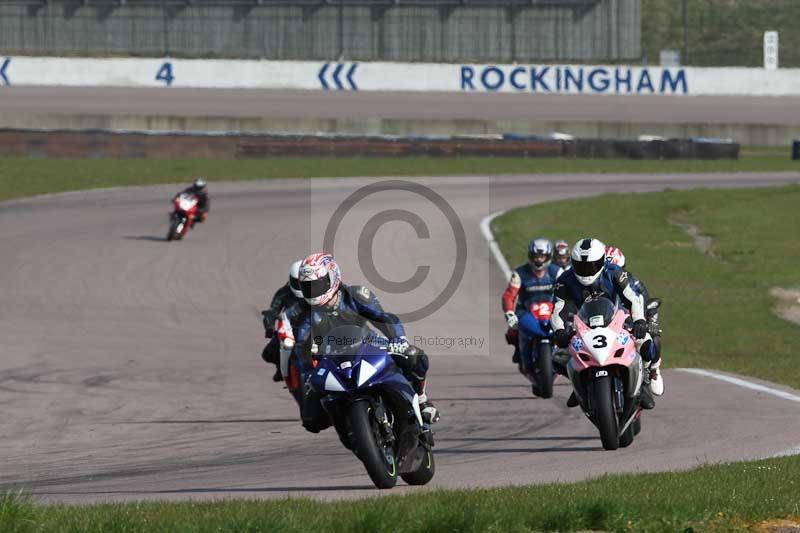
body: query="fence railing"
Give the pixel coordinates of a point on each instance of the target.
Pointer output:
(396, 30)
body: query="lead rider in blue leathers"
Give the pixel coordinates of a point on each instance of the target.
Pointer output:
(334, 304)
(589, 276)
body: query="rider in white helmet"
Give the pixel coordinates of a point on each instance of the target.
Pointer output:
(335, 304)
(287, 296)
(590, 275)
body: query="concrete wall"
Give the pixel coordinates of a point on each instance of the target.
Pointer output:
(581, 30)
(378, 76)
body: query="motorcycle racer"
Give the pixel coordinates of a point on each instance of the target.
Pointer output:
(561, 254)
(334, 304)
(530, 283)
(287, 297)
(199, 188)
(590, 275)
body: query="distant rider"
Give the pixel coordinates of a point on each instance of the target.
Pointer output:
(592, 275)
(199, 188)
(561, 253)
(287, 296)
(334, 304)
(530, 283)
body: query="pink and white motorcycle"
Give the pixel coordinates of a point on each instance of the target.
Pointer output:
(606, 371)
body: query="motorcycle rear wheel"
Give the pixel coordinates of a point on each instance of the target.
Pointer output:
(382, 469)
(605, 416)
(423, 474)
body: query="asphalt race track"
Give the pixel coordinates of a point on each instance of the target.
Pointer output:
(131, 368)
(292, 104)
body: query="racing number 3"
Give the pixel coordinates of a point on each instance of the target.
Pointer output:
(600, 341)
(165, 74)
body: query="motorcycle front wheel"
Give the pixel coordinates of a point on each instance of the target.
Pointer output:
(544, 370)
(377, 457)
(605, 416)
(174, 232)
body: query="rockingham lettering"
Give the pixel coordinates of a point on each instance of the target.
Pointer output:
(573, 79)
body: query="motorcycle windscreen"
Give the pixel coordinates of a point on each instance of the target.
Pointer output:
(597, 312)
(345, 341)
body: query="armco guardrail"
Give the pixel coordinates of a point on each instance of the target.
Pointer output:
(353, 76)
(98, 143)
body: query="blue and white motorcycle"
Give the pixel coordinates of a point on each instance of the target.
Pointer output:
(373, 407)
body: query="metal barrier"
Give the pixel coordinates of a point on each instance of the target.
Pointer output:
(393, 30)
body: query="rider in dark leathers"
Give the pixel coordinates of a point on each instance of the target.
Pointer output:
(199, 188)
(592, 275)
(287, 297)
(333, 305)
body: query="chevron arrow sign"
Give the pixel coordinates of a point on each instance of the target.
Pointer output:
(338, 76)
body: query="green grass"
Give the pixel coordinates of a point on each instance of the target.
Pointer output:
(711, 498)
(25, 177)
(717, 311)
(721, 32)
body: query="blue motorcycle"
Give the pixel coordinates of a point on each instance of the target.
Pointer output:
(373, 407)
(536, 350)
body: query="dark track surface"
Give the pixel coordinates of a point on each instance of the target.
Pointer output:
(131, 366)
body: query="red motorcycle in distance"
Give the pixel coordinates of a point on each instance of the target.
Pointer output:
(183, 216)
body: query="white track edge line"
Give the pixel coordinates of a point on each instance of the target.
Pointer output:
(486, 229)
(742, 383)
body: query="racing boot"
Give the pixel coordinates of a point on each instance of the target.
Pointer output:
(429, 412)
(646, 397)
(656, 380)
(572, 401)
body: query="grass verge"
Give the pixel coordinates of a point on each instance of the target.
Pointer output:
(712, 498)
(717, 312)
(27, 177)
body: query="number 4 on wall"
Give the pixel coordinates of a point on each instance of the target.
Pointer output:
(165, 74)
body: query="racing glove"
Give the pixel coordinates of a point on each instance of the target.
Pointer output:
(639, 330)
(511, 319)
(397, 345)
(561, 337)
(269, 323)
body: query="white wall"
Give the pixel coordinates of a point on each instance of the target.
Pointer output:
(571, 79)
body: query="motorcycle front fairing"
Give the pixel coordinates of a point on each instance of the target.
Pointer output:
(369, 371)
(371, 375)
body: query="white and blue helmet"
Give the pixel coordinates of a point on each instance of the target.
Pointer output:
(540, 253)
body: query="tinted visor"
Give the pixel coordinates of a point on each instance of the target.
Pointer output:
(315, 288)
(294, 283)
(539, 257)
(588, 268)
